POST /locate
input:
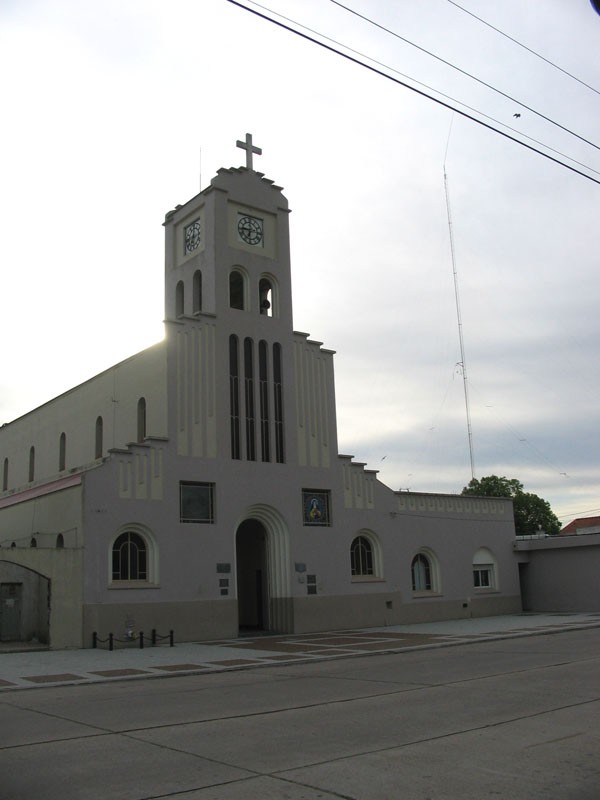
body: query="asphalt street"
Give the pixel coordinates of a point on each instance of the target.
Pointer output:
(514, 718)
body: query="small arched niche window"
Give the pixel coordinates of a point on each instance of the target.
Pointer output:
(265, 297)
(33, 542)
(179, 299)
(99, 442)
(236, 290)
(31, 463)
(5, 475)
(62, 452)
(197, 292)
(60, 541)
(141, 419)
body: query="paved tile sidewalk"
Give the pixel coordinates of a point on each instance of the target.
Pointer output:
(37, 667)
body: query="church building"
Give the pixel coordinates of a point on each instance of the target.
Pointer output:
(197, 486)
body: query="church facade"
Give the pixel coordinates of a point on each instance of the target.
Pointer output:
(197, 486)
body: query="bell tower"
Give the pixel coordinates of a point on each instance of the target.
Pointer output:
(227, 249)
(228, 304)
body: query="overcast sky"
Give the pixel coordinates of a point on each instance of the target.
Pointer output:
(114, 111)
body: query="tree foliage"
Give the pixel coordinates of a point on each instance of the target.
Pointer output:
(532, 513)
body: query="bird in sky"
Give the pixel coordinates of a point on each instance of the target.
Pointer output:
(517, 115)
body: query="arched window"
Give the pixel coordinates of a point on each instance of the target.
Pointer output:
(31, 463)
(263, 395)
(236, 290)
(278, 404)
(421, 573)
(179, 299)
(62, 452)
(60, 541)
(197, 292)
(365, 557)
(234, 396)
(5, 475)
(361, 556)
(129, 558)
(141, 419)
(99, 445)
(425, 572)
(249, 399)
(265, 297)
(484, 570)
(33, 542)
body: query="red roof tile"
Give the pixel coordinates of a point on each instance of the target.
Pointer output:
(577, 524)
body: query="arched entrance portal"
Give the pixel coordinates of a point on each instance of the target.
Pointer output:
(262, 544)
(24, 604)
(252, 576)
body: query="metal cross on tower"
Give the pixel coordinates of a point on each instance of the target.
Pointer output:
(250, 149)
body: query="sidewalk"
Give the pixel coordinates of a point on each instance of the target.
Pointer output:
(38, 667)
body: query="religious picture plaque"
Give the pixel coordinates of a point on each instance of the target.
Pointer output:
(315, 507)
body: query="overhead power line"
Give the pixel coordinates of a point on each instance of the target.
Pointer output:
(464, 72)
(430, 88)
(405, 85)
(577, 513)
(524, 46)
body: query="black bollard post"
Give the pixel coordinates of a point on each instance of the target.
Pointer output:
(170, 638)
(110, 641)
(94, 640)
(141, 640)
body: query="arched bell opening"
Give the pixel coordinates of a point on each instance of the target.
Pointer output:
(265, 297)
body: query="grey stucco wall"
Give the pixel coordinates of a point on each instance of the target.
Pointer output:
(62, 569)
(563, 578)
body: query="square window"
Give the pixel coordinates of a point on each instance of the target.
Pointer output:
(315, 507)
(482, 578)
(196, 502)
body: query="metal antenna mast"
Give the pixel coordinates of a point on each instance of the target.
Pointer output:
(463, 362)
